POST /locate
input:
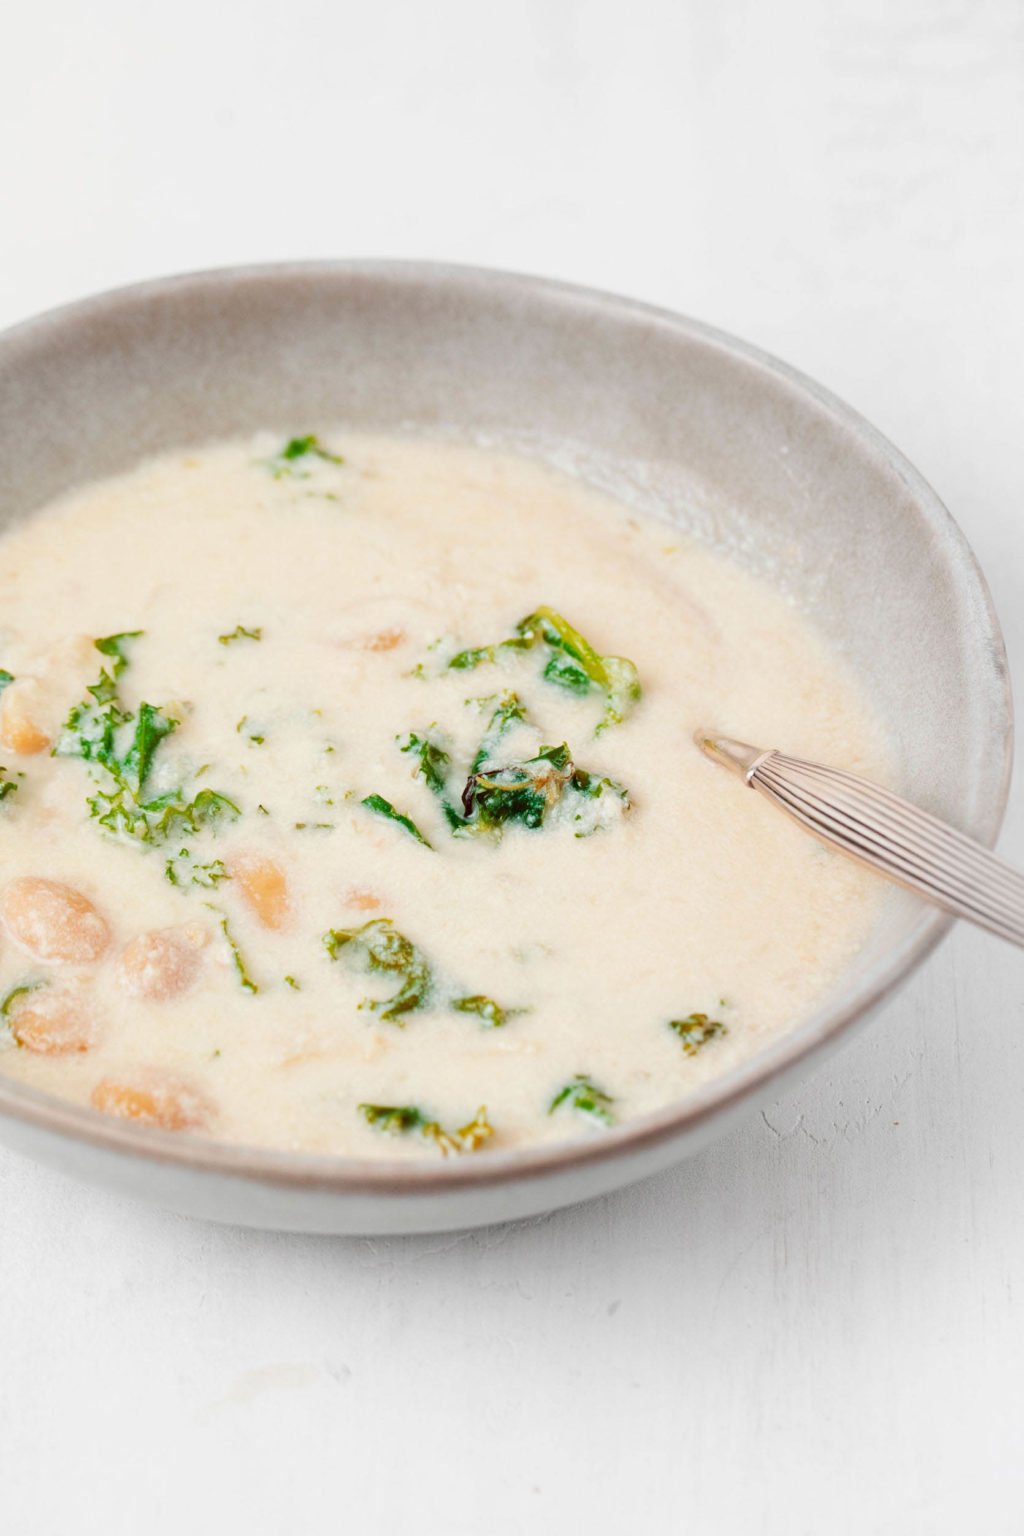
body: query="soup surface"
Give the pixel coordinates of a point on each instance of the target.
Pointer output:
(350, 803)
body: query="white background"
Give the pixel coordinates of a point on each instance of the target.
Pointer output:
(816, 1326)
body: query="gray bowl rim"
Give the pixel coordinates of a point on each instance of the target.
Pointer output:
(684, 1120)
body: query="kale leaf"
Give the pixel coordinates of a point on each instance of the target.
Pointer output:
(382, 807)
(240, 633)
(121, 747)
(507, 713)
(586, 1098)
(522, 792)
(526, 792)
(572, 662)
(432, 764)
(696, 1030)
(378, 946)
(183, 869)
(241, 969)
(491, 1013)
(294, 459)
(401, 1119)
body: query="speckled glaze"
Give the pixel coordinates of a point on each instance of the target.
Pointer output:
(674, 418)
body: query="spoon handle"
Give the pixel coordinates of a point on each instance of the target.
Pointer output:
(885, 832)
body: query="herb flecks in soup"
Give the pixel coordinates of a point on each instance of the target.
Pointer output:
(312, 840)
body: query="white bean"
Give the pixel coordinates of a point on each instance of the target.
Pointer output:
(51, 921)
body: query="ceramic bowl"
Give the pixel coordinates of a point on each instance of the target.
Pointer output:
(668, 414)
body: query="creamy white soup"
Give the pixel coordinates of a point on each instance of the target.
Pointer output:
(349, 802)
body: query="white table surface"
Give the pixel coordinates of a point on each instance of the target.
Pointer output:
(817, 1325)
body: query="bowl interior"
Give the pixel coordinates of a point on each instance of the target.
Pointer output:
(674, 418)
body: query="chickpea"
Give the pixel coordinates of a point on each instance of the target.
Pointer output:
(170, 1103)
(52, 1024)
(51, 921)
(263, 886)
(157, 965)
(20, 731)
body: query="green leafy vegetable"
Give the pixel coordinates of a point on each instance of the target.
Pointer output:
(382, 807)
(485, 1008)
(6, 678)
(241, 969)
(432, 767)
(290, 981)
(475, 1132)
(595, 793)
(7, 785)
(183, 869)
(473, 657)
(208, 808)
(526, 792)
(586, 1098)
(293, 460)
(566, 674)
(239, 633)
(20, 991)
(523, 792)
(378, 946)
(9, 1032)
(153, 821)
(433, 761)
(252, 737)
(152, 726)
(696, 1030)
(572, 662)
(121, 748)
(90, 729)
(396, 1119)
(507, 713)
(401, 1119)
(574, 657)
(117, 647)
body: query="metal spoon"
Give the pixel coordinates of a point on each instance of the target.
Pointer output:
(885, 832)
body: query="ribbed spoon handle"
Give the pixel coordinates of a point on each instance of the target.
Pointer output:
(885, 832)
